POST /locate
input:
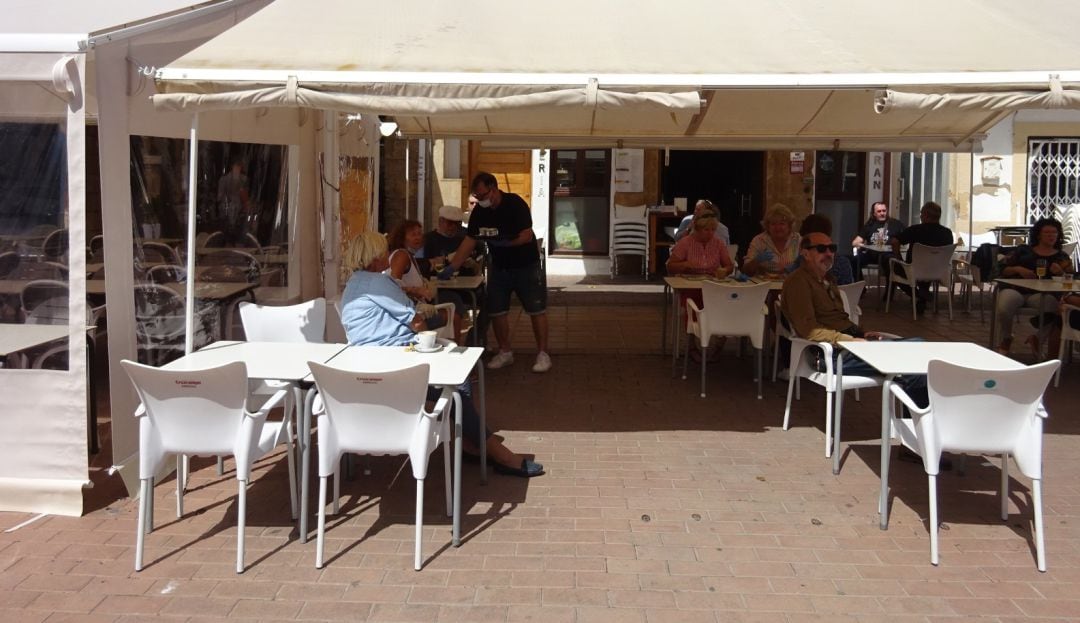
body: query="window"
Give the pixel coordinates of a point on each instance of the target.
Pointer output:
(581, 183)
(923, 177)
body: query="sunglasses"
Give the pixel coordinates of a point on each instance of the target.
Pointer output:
(822, 248)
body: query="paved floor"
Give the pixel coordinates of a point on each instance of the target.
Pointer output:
(657, 506)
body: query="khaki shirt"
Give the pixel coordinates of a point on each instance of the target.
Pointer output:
(814, 307)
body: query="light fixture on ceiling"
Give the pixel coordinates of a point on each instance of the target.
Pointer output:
(387, 128)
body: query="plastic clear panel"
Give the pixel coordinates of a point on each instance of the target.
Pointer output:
(33, 241)
(242, 232)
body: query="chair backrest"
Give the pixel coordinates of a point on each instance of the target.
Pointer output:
(304, 322)
(159, 313)
(45, 301)
(190, 412)
(988, 410)
(735, 310)
(932, 263)
(215, 239)
(372, 411)
(55, 244)
(253, 242)
(852, 294)
(97, 243)
(1069, 249)
(9, 261)
(231, 265)
(167, 273)
(154, 250)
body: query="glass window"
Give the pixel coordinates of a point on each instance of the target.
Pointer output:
(580, 204)
(34, 242)
(241, 235)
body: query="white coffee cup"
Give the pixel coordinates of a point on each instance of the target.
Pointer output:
(425, 340)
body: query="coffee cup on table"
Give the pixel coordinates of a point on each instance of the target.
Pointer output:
(425, 340)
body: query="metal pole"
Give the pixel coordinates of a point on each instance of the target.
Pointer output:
(971, 208)
(193, 191)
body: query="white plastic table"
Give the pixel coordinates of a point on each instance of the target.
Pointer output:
(896, 358)
(272, 361)
(17, 337)
(450, 367)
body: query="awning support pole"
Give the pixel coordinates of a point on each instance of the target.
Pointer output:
(193, 193)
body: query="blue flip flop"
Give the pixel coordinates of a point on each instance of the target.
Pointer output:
(528, 469)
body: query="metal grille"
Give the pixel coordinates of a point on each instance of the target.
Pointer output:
(1053, 175)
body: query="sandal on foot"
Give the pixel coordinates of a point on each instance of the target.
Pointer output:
(528, 469)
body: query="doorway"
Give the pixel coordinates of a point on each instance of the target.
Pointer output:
(733, 180)
(840, 191)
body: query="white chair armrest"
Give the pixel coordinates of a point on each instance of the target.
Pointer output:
(799, 345)
(263, 411)
(908, 402)
(895, 261)
(889, 336)
(441, 405)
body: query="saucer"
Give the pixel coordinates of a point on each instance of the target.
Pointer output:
(434, 349)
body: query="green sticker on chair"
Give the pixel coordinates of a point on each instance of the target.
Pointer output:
(989, 384)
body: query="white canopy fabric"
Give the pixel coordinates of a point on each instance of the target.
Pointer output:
(771, 72)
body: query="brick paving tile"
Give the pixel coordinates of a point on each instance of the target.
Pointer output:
(657, 507)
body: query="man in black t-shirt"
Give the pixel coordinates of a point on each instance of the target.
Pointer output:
(930, 233)
(503, 221)
(877, 230)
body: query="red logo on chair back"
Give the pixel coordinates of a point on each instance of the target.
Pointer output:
(370, 380)
(188, 384)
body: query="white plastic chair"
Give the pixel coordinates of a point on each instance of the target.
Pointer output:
(852, 294)
(801, 366)
(630, 235)
(380, 412)
(933, 264)
(1068, 335)
(201, 412)
(986, 411)
(970, 278)
(735, 311)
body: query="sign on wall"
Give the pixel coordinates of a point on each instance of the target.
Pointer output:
(629, 171)
(797, 162)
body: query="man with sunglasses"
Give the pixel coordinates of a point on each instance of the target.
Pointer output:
(811, 304)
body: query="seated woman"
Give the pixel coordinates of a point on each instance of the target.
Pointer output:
(700, 252)
(404, 241)
(773, 252)
(375, 311)
(1044, 246)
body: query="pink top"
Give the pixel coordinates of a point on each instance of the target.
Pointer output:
(704, 258)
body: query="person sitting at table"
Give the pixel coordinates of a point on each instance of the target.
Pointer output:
(441, 242)
(700, 253)
(1044, 245)
(813, 308)
(875, 231)
(929, 232)
(841, 270)
(703, 206)
(404, 241)
(773, 252)
(375, 311)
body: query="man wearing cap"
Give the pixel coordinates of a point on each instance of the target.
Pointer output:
(504, 222)
(442, 241)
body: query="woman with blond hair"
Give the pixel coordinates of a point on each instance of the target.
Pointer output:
(773, 252)
(376, 312)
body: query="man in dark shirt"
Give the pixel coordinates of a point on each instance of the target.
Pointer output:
(877, 230)
(930, 233)
(504, 222)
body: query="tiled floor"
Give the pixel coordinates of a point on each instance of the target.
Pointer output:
(657, 506)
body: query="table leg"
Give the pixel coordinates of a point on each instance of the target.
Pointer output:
(305, 464)
(664, 330)
(676, 324)
(483, 423)
(886, 446)
(839, 409)
(993, 315)
(457, 470)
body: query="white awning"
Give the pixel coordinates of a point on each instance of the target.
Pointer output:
(770, 72)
